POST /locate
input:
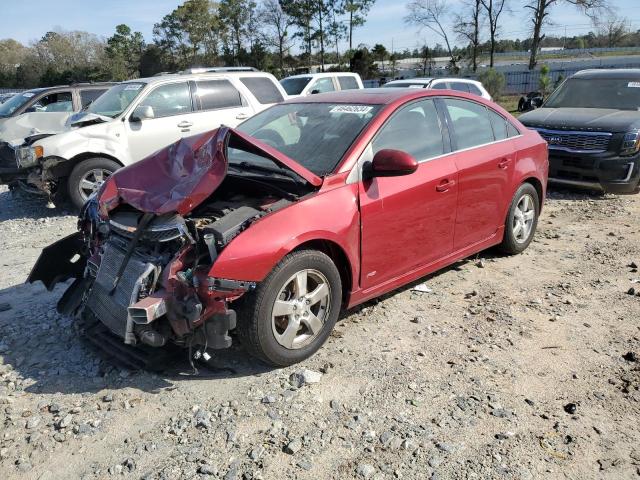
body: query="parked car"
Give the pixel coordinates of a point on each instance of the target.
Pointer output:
(312, 83)
(5, 96)
(459, 84)
(314, 205)
(592, 125)
(133, 120)
(68, 98)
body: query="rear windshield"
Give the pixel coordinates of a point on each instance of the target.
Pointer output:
(294, 86)
(316, 135)
(619, 94)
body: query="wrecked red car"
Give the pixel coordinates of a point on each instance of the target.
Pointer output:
(312, 206)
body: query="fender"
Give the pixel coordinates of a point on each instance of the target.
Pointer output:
(331, 215)
(100, 139)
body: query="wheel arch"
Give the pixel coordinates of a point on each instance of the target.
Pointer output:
(537, 184)
(63, 169)
(339, 257)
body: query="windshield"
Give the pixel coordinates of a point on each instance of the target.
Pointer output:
(619, 94)
(14, 103)
(316, 135)
(115, 100)
(294, 86)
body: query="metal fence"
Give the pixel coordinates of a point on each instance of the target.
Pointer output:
(570, 52)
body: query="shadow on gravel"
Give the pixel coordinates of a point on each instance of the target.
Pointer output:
(555, 192)
(43, 352)
(15, 206)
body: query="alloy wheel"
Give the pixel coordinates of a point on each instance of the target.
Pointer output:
(523, 218)
(91, 181)
(301, 309)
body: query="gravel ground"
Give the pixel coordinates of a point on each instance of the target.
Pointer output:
(509, 367)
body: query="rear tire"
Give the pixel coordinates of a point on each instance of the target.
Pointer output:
(306, 288)
(522, 220)
(93, 171)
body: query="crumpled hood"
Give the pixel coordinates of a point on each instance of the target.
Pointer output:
(84, 119)
(593, 119)
(15, 130)
(181, 176)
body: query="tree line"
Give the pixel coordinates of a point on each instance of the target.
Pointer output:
(265, 34)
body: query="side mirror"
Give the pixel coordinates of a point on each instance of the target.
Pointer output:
(142, 112)
(315, 91)
(393, 163)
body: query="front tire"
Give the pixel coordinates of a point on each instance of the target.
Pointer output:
(87, 177)
(292, 312)
(522, 220)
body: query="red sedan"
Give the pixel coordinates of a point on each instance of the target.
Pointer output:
(312, 206)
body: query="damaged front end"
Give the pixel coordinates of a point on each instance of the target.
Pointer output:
(147, 243)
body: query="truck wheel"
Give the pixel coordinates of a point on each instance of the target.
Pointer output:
(87, 177)
(292, 312)
(522, 220)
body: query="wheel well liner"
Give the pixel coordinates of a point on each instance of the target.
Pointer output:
(339, 257)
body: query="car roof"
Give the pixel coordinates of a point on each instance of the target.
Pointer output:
(622, 73)
(378, 96)
(198, 76)
(322, 75)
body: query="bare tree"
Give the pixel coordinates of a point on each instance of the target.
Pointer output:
(467, 27)
(612, 28)
(541, 10)
(431, 14)
(494, 9)
(276, 29)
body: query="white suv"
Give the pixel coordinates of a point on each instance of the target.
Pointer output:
(302, 85)
(134, 119)
(460, 84)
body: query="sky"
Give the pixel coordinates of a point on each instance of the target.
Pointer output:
(28, 20)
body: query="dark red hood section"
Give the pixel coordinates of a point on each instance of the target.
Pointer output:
(181, 176)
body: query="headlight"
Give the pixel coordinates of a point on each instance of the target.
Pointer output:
(29, 156)
(631, 143)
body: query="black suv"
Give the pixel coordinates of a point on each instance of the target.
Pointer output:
(70, 98)
(592, 125)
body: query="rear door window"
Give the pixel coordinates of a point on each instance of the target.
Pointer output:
(348, 83)
(54, 102)
(89, 96)
(473, 89)
(459, 86)
(217, 94)
(323, 85)
(169, 100)
(263, 89)
(440, 86)
(471, 123)
(499, 125)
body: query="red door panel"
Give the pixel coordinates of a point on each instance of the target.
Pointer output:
(407, 221)
(484, 178)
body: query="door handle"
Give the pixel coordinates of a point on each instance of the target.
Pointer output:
(445, 185)
(242, 116)
(504, 163)
(185, 124)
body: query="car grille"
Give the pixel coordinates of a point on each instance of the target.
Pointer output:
(578, 142)
(111, 309)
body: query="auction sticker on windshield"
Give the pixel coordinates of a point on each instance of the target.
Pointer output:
(633, 84)
(135, 86)
(361, 109)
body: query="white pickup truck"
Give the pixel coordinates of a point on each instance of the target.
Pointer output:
(136, 118)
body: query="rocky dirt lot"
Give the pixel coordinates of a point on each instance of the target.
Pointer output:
(516, 368)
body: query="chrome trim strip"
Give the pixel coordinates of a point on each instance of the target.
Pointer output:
(628, 177)
(571, 150)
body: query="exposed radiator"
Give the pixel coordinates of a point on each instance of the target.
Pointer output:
(111, 309)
